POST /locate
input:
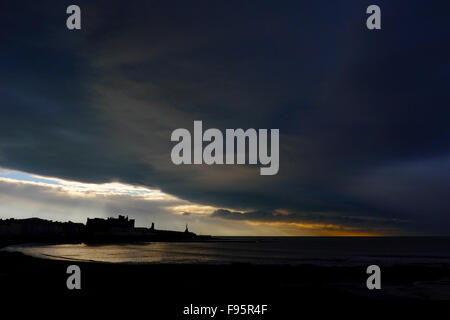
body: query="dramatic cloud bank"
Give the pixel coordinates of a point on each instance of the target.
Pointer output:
(363, 117)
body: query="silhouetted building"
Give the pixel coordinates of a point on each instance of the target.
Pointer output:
(119, 224)
(121, 229)
(33, 227)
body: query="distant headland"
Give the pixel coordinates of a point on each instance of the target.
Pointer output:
(96, 230)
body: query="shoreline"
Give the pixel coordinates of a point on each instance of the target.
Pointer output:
(166, 289)
(418, 259)
(400, 282)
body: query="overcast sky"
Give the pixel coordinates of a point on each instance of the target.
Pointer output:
(86, 116)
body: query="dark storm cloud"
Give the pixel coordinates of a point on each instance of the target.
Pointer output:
(360, 113)
(327, 220)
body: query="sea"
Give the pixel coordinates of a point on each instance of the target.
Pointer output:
(323, 251)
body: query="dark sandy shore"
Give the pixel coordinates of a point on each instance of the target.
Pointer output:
(166, 289)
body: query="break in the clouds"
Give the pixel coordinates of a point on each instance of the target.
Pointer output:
(26, 195)
(363, 116)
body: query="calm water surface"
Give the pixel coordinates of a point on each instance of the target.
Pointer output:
(258, 250)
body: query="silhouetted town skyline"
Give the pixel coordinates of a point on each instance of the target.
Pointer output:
(111, 229)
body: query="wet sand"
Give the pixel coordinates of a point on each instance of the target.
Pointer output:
(166, 289)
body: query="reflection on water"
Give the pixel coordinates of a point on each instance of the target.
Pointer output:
(323, 251)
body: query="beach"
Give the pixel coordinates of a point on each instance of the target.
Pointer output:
(168, 288)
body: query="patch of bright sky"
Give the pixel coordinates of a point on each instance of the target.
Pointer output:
(80, 189)
(83, 189)
(174, 204)
(25, 177)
